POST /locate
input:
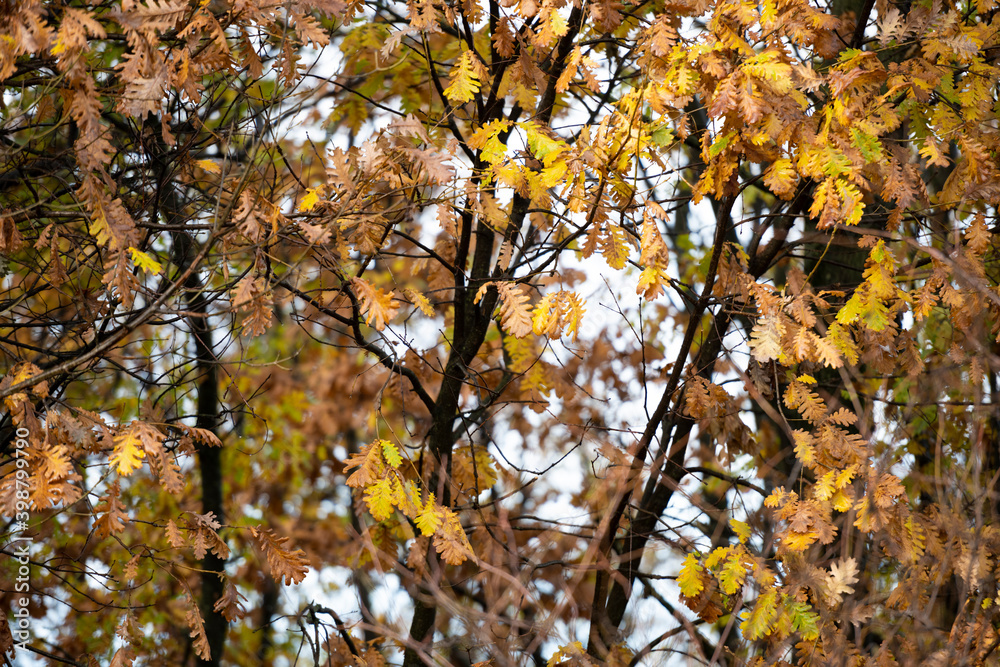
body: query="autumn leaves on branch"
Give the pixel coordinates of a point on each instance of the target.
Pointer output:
(574, 271)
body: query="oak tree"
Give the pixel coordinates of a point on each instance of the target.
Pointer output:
(501, 332)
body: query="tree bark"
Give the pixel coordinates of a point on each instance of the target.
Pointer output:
(208, 411)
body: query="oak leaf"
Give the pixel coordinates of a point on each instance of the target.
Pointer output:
(466, 74)
(379, 497)
(10, 238)
(197, 626)
(291, 566)
(230, 602)
(174, 536)
(690, 578)
(451, 541)
(430, 517)
(128, 452)
(843, 575)
(515, 317)
(377, 305)
(144, 261)
(123, 657)
(765, 338)
(369, 463)
(113, 517)
(763, 615)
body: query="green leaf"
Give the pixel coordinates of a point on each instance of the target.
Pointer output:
(720, 143)
(762, 617)
(544, 147)
(804, 620)
(391, 454)
(869, 145)
(662, 136)
(847, 54)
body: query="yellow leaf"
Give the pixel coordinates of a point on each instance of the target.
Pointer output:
(714, 558)
(556, 311)
(515, 318)
(851, 201)
(542, 146)
(99, 228)
(734, 572)
(20, 373)
(558, 24)
(799, 541)
(776, 497)
(845, 476)
(490, 130)
(145, 262)
(823, 490)
(128, 452)
(420, 301)
(378, 497)
(758, 623)
(571, 651)
(690, 577)
(651, 282)
(741, 529)
(841, 501)
(391, 454)
(376, 304)
(766, 66)
(310, 199)
(209, 165)
(429, 518)
(465, 78)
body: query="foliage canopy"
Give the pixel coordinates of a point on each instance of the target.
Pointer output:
(566, 333)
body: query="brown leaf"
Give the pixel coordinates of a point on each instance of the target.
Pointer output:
(174, 536)
(206, 537)
(124, 657)
(6, 638)
(202, 435)
(114, 518)
(229, 604)
(197, 625)
(10, 239)
(132, 568)
(292, 566)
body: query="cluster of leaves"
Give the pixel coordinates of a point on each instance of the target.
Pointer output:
(574, 270)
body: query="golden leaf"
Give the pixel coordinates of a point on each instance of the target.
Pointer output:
(378, 306)
(128, 452)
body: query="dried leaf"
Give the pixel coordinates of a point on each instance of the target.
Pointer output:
(292, 566)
